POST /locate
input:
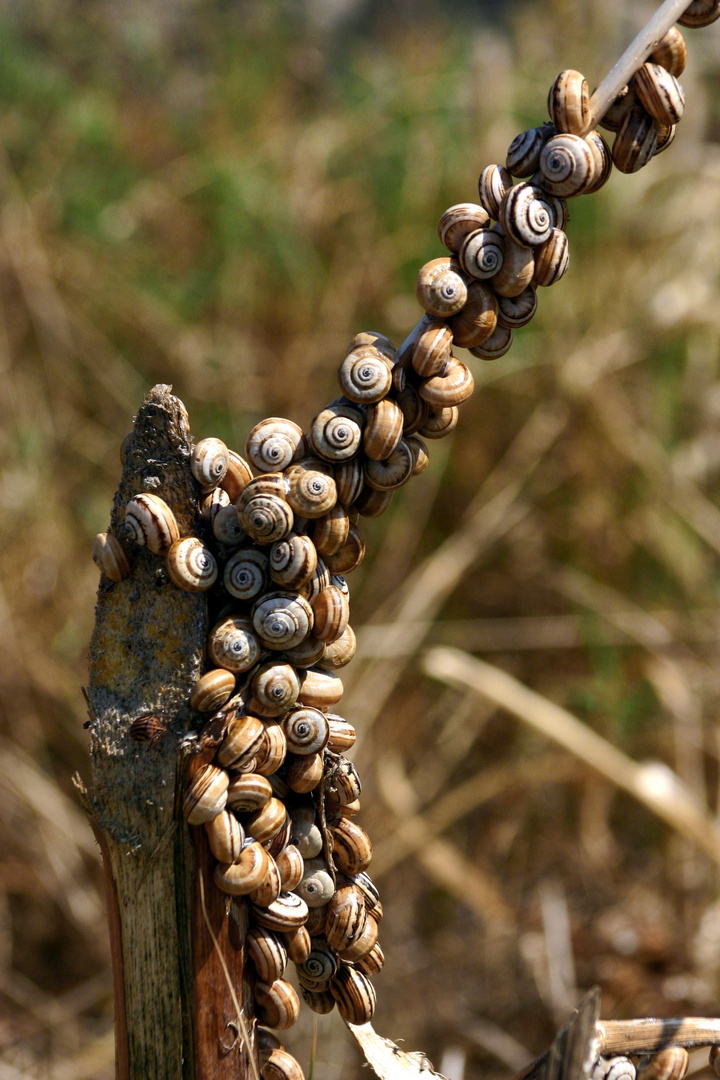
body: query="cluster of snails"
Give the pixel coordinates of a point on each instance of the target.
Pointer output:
(671, 1063)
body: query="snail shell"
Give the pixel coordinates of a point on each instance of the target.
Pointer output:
(440, 422)
(305, 834)
(266, 518)
(311, 493)
(352, 849)
(278, 1005)
(286, 913)
(303, 774)
(458, 221)
(109, 556)
(307, 653)
(211, 503)
(365, 375)
(206, 796)
(318, 689)
(482, 253)
(524, 217)
(613, 1068)
(671, 52)
(298, 944)
(566, 165)
(212, 690)
(551, 259)
(320, 1001)
(321, 965)
(241, 877)
(246, 574)
(269, 888)
(617, 111)
(666, 136)
(268, 953)
(191, 566)
(266, 822)
(368, 890)
(349, 479)
(315, 924)
(476, 321)
(669, 1064)
(336, 431)
(700, 13)
(290, 864)
(238, 476)
(151, 523)
(523, 154)
(282, 620)
(364, 944)
(241, 743)
(346, 917)
(248, 792)
(225, 836)
(452, 387)
(306, 730)
(272, 443)
(330, 531)
(383, 429)
(493, 183)
(432, 347)
(354, 995)
(440, 288)
(517, 268)
(602, 162)
(569, 102)
(393, 471)
(342, 734)
(339, 652)
(377, 340)
(316, 885)
(419, 451)
(515, 311)
(635, 142)
(279, 1065)
(373, 962)
(275, 687)
(346, 786)
(209, 462)
(293, 561)
(319, 580)
(273, 748)
(233, 645)
(226, 527)
(281, 839)
(350, 555)
(372, 503)
(660, 93)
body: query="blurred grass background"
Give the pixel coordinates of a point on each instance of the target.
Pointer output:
(219, 195)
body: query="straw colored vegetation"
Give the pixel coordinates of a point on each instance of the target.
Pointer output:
(219, 196)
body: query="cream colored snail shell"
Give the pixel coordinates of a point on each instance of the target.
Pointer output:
(440, 288)
(266, 518)
(613, 1068)
(602, 162)
(336, 431)
(340, 652)
(482, 253)
(551, 259)
(280, 1065)
(225, 836)
(458, 221)
(272, 443)
(311, 493)
(432, 348)
(211, 502)
(242, 742)
(320, 689)
(209, 462)
(383, 429)
(316, 885)
(635, 142)
(566, 165)
(523, 153)
(671, 52)
(354, 995)
(226, 527)
(524, 217)
(379, 341)
(110, 557)
(293, 561)
(660, 93)
(232, 644)
(238, 476)
(342, 734)
(305, 834)
(365, 375)
(304, 772)
(306, 730)
(246, 573)
(206, 796)
(191, 565)
(248, 791)
(151, 523)
(212, 690)
(282, 620)
(285, 913)
(275, 687)
(278, 1005)
(493, 183)
(569, 102)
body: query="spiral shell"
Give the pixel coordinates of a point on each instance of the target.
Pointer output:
(368, 890)
(246, 572)
(524, 217)
(671, 52)
(342, 734)
(350, 555)
(209, 462)
(432, 347)
(700, 13)
(482, 253)
(458, 221)
(452, 387)
(331, 613)
(109, 556)
(618, 109)
(394, 470)
(319, 689)
(478, 318)
(211, 503)
(191, 566)
(262, 824)
(373, 962)
(278, 1005)
(613, 1068)
(279, 1065)
(249, 791)
(275, 687)
(268, 953)
(440, 288)
(321, 965)
(225, 837)
(305, 834)
(290, 864)
(272, 443)
(660, 93)
(266, 518)
(349, 479)
(150, 522)
(238, 476)
(273, 748)
(304, 773)
(311, 493)
(566, 165)
(319, 580)
(298, 943)
(668, 1064)
(206, 795)
(241, 877)
(493, 183)
(306, 730)
(415, 411)
(336, 431)
(635, 142)
(352, 849)
(515, 311)
(286, 913)
(524, 151)
(440, 422)
(602, 162)
(345, 784)
(378, 341)
(365, 375)
(282, 620)
(346, 917)
(233, 645)
(226, 527)
(516, 271)
(242, 741)
(364, 944)
(316, 886)
(268, 890)
(339, 652)
(293, 561)
(212, 690)
(569, 102)
(354, 995)
(331, 530)
(551, 259)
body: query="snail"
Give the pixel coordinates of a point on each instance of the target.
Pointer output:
(365, 375)
(212, 690)
(440, 287)
(336, 431)
(493, 183)
(206, 796)
(191, 565)
(523, 154)
(272, 443)
(569, 102)
(268, 953)
(150, 522)
(110, 557)
(225, 836)
(566, 165)
(209, 462)
(278, 1005)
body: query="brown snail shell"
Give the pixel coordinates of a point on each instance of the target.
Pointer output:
(316, 885)
(319, 689)
(211, 503)
(273, 748)
(290, 864)
(267, 1041)
(305, 834)
(569, 102)
(272, 443)
(246, 573)
(241, 743)
(321, 965)
(266, 518)
(668, 1064)
(191, 565)
(483, 253)
(354, 995)
(602, 162)
(315, 924)
(150, 522)
(368, 890)
(373, 962)
(212, 690)
(267, 484)
(238, 476)
(396, 469)
(298, 944)
(308, 652)
(268, 890)
(372, 503)
(306, 730)
(266, 822)
(365, 375)
(320, 1001)
(440, 422)
(476, 321)
(551, 259)
(330, 531)
(515, 311)
(364, 944)
(342, 734)
(516, 271)
(282, 620)
(458, 221)
(379, 341)
(346, 786)
(349, 479)
(700, 13)
(666, 136)
(209, 462)
(340, 652)
(525, 218)
(278, 1005)
(303, 774)
(660, 93)
(268, 953)
(352, 850)
(336, 431)
(233, 645)
(226, 526)
(635, 142)
(279, 1065)
(523, 154)
(383, 429)
(319, 580)
(419, 451)
(452, 387)
(493, 183)
(440, 288)
(432, 348)
(671, 52)
(225, 837)
(286, 913)
(350, 555)
(566, 165)
(206, 795)
(346, 917)
(110, 557)
(248, 792)
(714, 1059)
(275, 687)
(311, 493)
(280, 840)
(293, 561)
(616, 112)
(241, 877)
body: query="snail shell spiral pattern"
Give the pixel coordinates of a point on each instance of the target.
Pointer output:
(191, 565)
(272, 443)
(151, 523)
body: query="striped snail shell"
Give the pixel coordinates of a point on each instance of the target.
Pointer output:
(373, 962)
(551, 259)
(225, 837)
(365, 375)
(367, 887)
(275, 687)
(307, 653)
(415, 411)
(209, 462)
(316, 919)
(304, 772)
(635, 142)
(566, 165)
(660, 93)
(271, 483)
(440, 288)
(458, 221)
(452, 387)
(477, 320)
(246, 573)
(206, 796)
(248, 792)
(569, 102)
(379, 341)
(212, 690)
(279, 1065)
(319, 580)
(349, 479)
(226, 527)
(482, 253)
(602, 162)
(311, 493)
(523, 153)
(280, 840)
(272, 443)
(345, 783)
(394, 470)
(268, 890)
(266, 518)
(282, 620)
(524, 217)
(671, 52)
(440, 422)
(515, 311)
(350, 555)
(336, 431)
(150, 522)
(278, 1005)
(383, 429)
(299, 944)
(241, 743)
(238, 476)
(346, 917)
(354, 995)
(290, 864)
(493, 183)
(110, 557)
(293, 561)
(331, 530)
(241, 877)
(616, 112)
(191, 565)
(211, 503)
(364, 944)
(432, 347)
(668, 1064)
(321, 965)
(306, 730)
(268, 953)
(342, 734)
(305, 834)
(233, 645)
(372, 503)
(320, 1001)
(319, 689)
(316, 885)
(352, 849)
(339, 652)
(666, 136)
(517, 269)
(700, 13)
(264, 823)
(613, 1068)
(286, 913)
(273, 748)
